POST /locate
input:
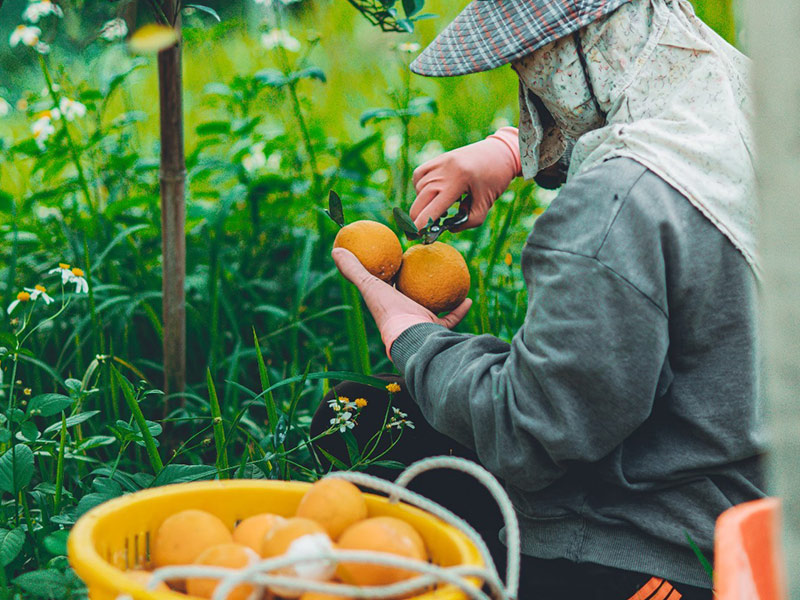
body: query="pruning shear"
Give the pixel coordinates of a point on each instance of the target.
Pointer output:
(431, 232)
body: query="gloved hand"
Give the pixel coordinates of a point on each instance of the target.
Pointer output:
(393, 312)
(483, 169)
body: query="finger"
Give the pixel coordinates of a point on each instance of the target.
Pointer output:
(432, 176)
(476, 218)
(458, 313)
(351, 267)
(421, 171)
(422, 201)
(435, 208)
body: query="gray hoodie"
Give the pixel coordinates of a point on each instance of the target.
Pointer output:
(624, 414)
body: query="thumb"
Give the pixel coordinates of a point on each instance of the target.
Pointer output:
(350, 266)
(458, 313)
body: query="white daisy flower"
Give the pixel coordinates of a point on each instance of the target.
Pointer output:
(399, 420)
(42, 8)
(254, 159)
(344, 421)
(26, 35)
(39, 290)
(42, 48)
(71, 109)
(64, 270)
(409, 47)
(114, 30)
(280, 38)
(342, 403)
(42, 129)
(21, 297)
(81, 285)
(5, 107)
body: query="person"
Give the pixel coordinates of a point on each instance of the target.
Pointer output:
(624, 415)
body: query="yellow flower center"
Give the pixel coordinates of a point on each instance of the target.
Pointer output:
(64, 266)
(361, 402)
(23, 296)
(27, 391)
(40, 288)
(77, 272)
(344, 399)
(21, 28)
(393, 388)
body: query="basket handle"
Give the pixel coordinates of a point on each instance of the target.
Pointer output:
(498, 493)
(398, 491)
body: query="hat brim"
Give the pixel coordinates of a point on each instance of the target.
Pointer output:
(491, 33)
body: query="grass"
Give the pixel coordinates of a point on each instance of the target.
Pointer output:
(271, 326)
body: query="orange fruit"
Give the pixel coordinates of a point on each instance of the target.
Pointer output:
(333, 503)
(183, 536)
(143, 578)
(232, 556)
(251, 531)
(299, 537)
(374, 244)
(435, 276)
(380, 534)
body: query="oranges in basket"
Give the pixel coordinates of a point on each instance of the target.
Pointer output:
(331, 514)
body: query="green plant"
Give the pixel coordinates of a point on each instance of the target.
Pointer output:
(271, 327)
(384, 14)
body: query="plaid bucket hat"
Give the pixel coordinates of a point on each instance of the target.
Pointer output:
(491, 33)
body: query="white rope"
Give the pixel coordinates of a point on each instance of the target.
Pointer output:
(436, 572)
(498, 493)
(424, 503)
(260, 573)
(398, 490)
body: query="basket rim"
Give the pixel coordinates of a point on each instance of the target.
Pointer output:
(91, 566)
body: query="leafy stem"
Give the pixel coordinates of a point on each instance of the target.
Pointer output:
(54, 95)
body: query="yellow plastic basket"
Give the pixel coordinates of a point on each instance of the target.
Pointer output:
(116, 536)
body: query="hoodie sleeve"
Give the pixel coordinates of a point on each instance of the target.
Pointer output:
(582, 372)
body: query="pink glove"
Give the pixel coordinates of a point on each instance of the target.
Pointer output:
(484, 169)
(393, 312)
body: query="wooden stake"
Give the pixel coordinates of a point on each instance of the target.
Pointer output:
(173, 210)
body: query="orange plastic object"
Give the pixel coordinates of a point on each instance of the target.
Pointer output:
(117, 535)
(747, 555)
